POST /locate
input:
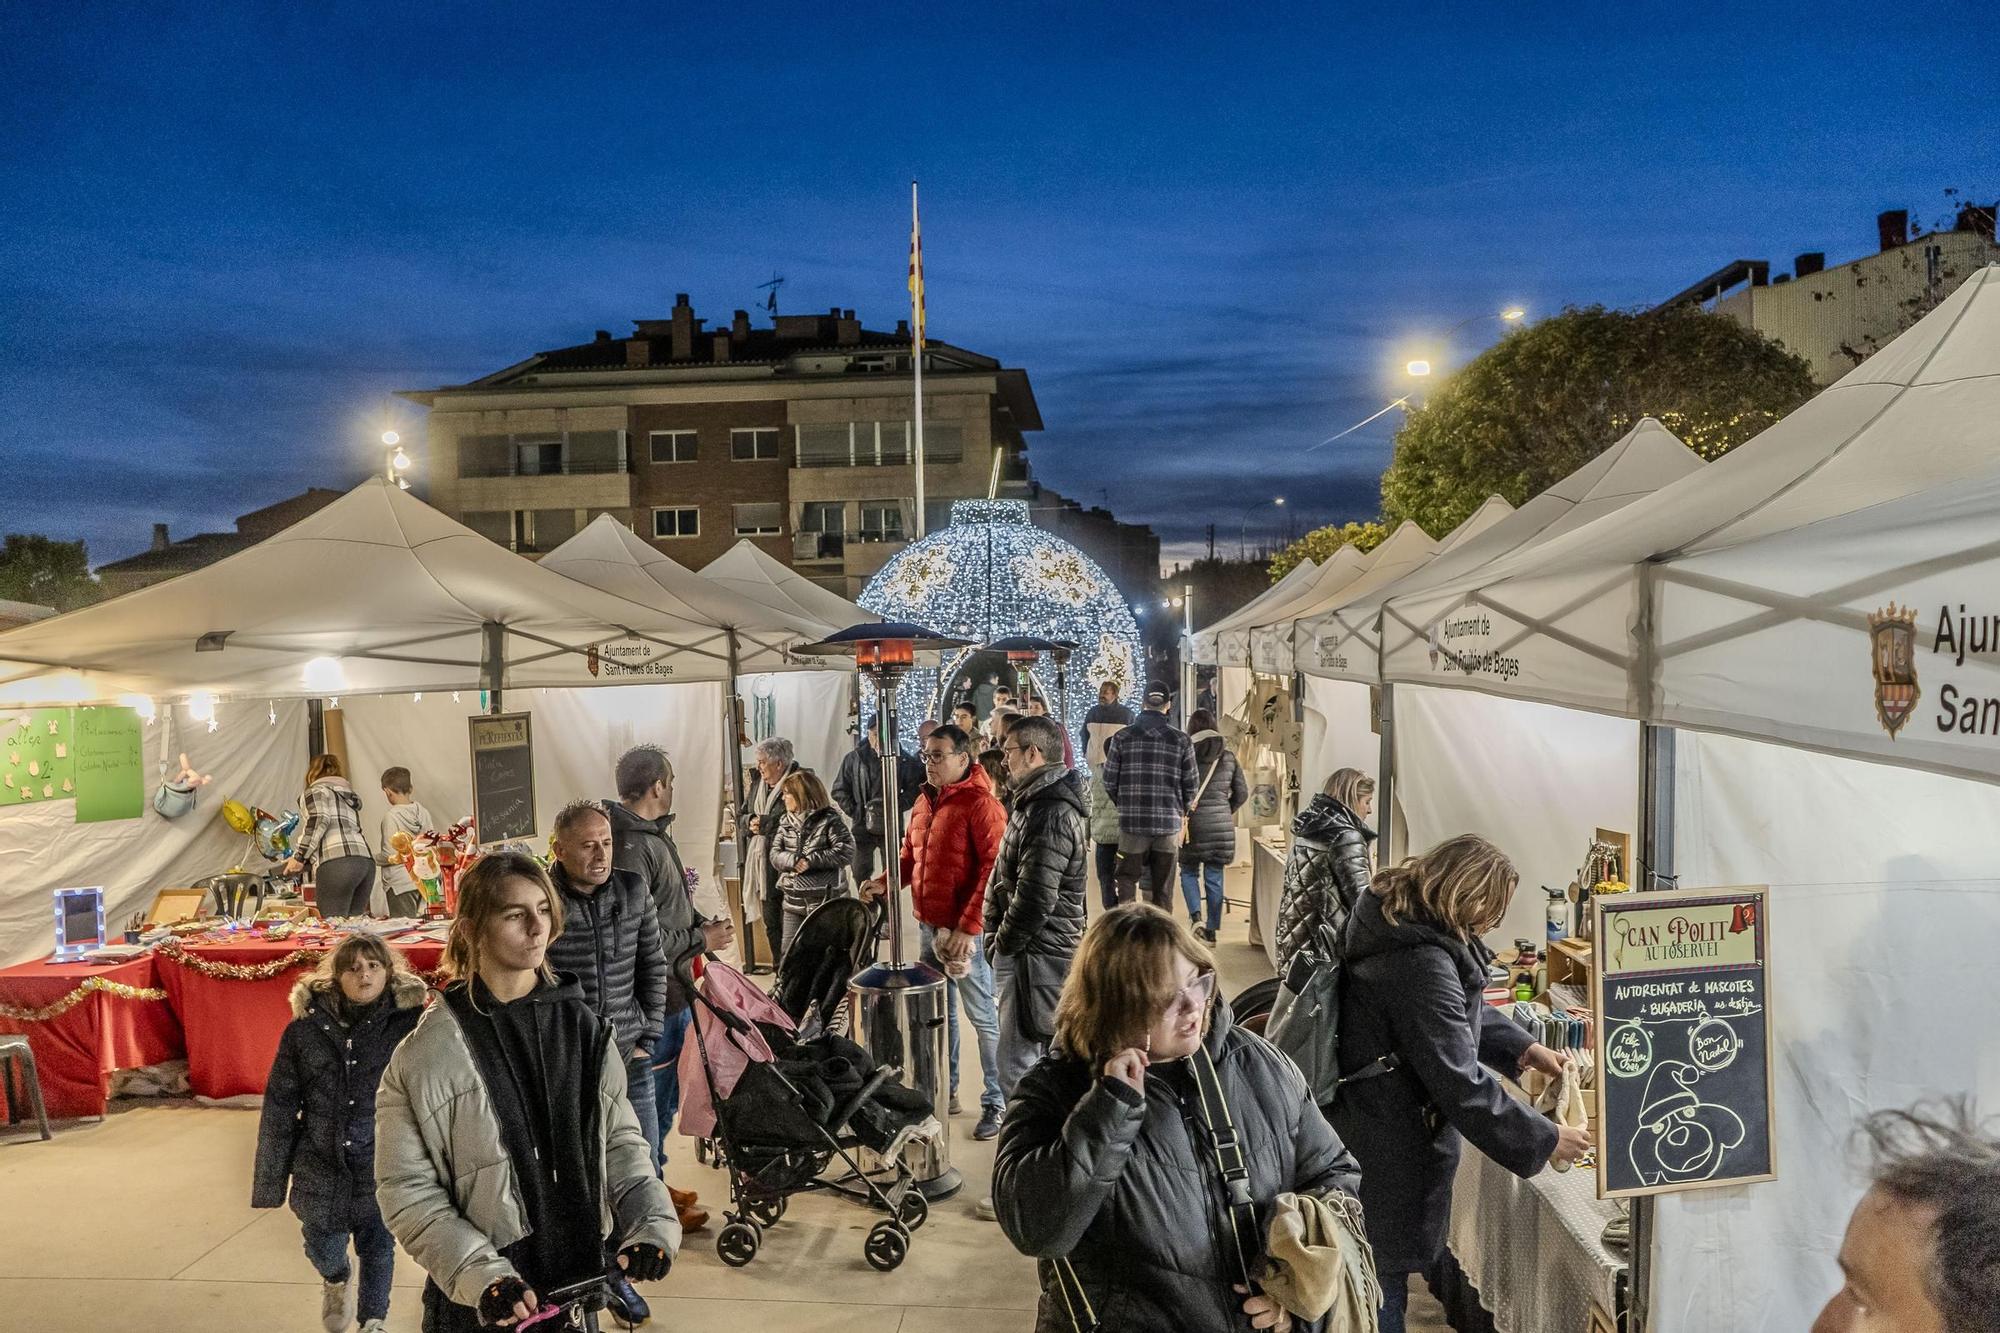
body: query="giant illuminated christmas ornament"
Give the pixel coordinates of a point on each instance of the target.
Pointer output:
(991, 574)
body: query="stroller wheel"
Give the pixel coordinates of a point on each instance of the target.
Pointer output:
(767, 1210)
(914, 1210)
(737, 1245)
(888, 1244)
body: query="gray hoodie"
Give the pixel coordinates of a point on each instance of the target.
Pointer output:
(411, 819)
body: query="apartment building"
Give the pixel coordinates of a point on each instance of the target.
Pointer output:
(796, 436)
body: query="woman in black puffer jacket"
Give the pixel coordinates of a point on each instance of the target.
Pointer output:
(813, 847)
(1328, 868)
(1101, 1163)
(1211, 842)
(317, 1131)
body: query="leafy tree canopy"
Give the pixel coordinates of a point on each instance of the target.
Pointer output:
(1546, 399)
(1320, 544)
(46, 572)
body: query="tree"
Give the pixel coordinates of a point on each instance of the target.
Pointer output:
(1545, 400)
(46, 572)
(1320, 544)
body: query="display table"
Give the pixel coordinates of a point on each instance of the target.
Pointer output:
(106, 1028)
(1267, 884)
(1534, 1249)
(233, 1024)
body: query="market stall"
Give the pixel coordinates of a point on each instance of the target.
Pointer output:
(85, 1021)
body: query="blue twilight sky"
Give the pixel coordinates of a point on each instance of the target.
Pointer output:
(1210, 233)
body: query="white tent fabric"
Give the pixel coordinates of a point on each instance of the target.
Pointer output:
(1338, 733)
(1342, 640)
(42, 848)
(1884, 908)
(1205, 641)
(1406, 549)
(1561, 620)
(1875, 633)
(612, 558)
(747, 571)
(1232, 646)
(375, 593)
(1536, 780)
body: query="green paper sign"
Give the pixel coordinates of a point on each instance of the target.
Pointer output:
(110, 781)
(35, 760)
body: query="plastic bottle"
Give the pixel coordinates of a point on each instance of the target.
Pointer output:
(1558, 913)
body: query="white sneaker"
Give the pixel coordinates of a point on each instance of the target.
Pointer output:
(983, 1210)
(336, 1305)
(373, 1326)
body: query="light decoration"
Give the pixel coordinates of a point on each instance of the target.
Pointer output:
(991, 573)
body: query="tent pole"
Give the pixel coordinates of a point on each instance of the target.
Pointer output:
(1656, 869)
(315, 729)
(493, 664)
(1385, 774)
(733, 745)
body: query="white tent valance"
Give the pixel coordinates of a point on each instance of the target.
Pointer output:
(747, 571)
(376, 593)
(1405, 549)
(1207, 642)
(1232, 646)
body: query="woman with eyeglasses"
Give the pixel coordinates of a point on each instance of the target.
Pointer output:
(1102, 1162)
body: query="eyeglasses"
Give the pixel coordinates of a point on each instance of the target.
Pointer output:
(1192, 998)
(939, 756)
(1013, 749)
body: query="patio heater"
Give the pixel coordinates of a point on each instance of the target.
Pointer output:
(1022, 652)
(901, 1002)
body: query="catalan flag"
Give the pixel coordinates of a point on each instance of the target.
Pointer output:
(916, 275)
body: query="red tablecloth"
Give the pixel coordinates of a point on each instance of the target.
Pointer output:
(76, 1052)
(233, 1026)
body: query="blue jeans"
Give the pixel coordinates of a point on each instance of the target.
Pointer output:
(975, 991)
(667, 1079)
(639, 1091)
(1193, 879)
(372, 1242)
(1395, 1302)
(1016, 1054)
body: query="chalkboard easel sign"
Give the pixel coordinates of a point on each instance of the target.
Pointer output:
(1683, 1041)
(503, 777)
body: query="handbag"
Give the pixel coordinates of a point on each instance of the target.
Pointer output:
(1305, 1018)
(1187, 820)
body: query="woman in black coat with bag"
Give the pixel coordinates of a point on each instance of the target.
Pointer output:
(1103, 1172)
(317, 1131)
(1328, 869)
(1418, 1044)
(1211, 841)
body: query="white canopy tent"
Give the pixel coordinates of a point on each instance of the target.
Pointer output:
(1206, 641)
(1403, 550)
(749, 572)
(376, 593)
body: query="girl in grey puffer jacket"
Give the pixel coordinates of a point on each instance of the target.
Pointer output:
(813, 847)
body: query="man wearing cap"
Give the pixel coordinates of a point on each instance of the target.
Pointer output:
(1149, 773)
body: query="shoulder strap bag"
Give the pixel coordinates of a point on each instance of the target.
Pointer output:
(1244, 1243)
(1187, 820)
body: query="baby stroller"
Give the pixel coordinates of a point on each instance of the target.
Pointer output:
(781, 1108)
(834, 942)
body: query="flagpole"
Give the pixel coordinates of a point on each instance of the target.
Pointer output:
(917, 345)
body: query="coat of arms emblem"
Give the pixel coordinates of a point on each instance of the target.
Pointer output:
(1892, 639)
(591, 659)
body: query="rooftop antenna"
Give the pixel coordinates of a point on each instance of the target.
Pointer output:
(771, 287)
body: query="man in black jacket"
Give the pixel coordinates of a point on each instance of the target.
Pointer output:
(643, 843)
(857, 790)
(610, 942)
(1034, 902)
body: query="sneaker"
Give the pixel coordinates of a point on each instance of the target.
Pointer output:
(626, 1304)
(983, 1210)
(956, 1109)
(374, 1326)
(1207, 935)
(336, 1305)
(989, 1124)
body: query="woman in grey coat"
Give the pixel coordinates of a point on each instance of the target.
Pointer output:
(813, 845)
(1101, 1165)
(1211, 841)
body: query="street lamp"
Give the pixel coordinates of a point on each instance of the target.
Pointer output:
(1243, 528)
(1418, 369)
(398, 461)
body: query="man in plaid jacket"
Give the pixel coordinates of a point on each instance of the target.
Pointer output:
(1149, 773)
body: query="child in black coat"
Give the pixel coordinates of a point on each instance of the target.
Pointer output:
(318, 1126)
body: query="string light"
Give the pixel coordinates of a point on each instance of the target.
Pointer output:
(992, 573)
(271, 710)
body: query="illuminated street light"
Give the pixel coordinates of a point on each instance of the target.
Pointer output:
(400, 461)
(1513, 313)
(1418, 368)
(391, 438)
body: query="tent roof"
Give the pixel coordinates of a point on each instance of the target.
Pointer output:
(375, 593)
(1232, 646)
(748, 571)
(1564, 611)
(1248, 613)
(609, 556)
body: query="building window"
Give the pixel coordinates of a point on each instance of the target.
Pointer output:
(485, 456)
(538, 458)
(753, 444)
(825, 445)
(759, 520)
(594, 452)
(881, 520)
(892, 442)
(683, 522)
(671, 446)
(822, 530)
(944, 441)
(495, 525)
(549, 528)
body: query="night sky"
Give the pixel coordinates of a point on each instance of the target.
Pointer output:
(227, 233)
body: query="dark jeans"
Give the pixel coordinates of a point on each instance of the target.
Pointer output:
(774, 920)
(667, 1079)
(867, 851)
(639, 1091)
(1107, 874)
(1395, 1301)
(377, 1249)
(342, 885)
(1148, 862)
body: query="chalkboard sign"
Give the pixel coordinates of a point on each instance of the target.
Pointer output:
(503, 777)
(1683, 1041)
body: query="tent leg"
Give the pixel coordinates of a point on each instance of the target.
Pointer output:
(493, 664)
(1656, 867)
(1385, 775)
(733, 747)
(315, 729)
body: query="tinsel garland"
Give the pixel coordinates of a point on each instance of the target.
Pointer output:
(176, 952)
(77, 997)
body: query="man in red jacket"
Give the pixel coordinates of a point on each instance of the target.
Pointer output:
(948, 856)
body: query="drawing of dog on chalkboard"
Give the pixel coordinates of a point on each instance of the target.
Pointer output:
(1680, 1137)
